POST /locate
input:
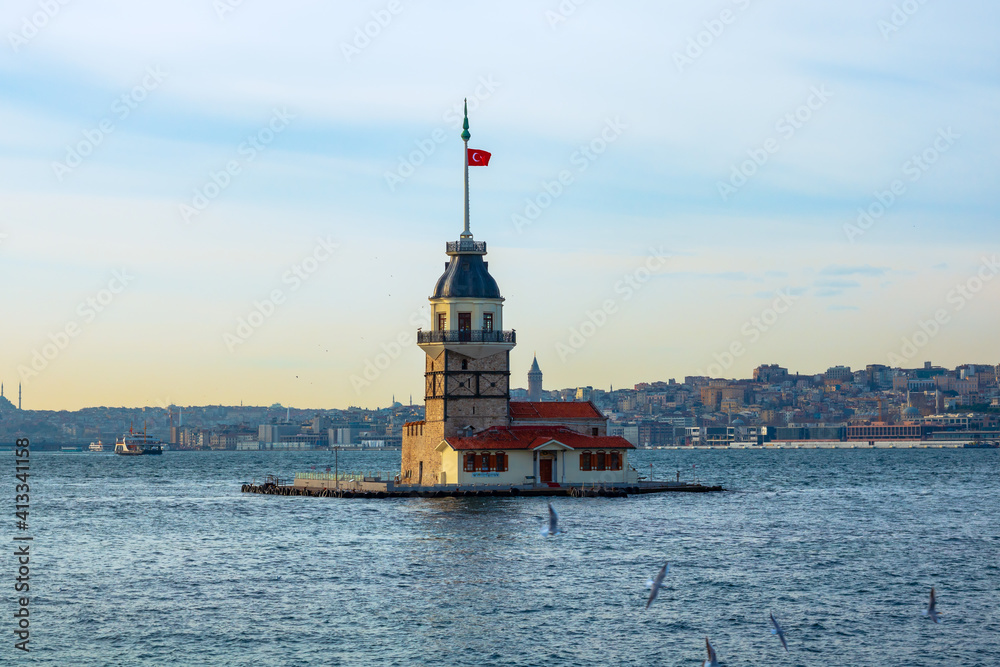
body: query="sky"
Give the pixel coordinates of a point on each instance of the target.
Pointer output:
(226, 201)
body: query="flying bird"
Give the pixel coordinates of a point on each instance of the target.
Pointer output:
(931, 612)
(778, 630)
(552, 527)
(712, 660)
(654, 584)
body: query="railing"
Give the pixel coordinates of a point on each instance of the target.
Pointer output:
(465, 245)
(470, 336)
(372, 475)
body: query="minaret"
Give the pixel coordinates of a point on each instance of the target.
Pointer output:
(467, 369)
(535, 381)
(18, 395)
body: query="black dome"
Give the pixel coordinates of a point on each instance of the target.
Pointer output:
(466, 276)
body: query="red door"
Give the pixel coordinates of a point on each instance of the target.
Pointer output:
(545, 469)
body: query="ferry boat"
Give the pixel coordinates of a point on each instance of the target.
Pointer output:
(96, 446)
(138, 444)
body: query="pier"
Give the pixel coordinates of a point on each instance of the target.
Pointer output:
(347, 485)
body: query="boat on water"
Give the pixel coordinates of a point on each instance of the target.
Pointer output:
(71, 448)
(138, 444)
(96, 446)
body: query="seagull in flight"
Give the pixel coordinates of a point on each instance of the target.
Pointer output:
(712, 660)
(778, 630)
(654, 584)
(931, 612)
(552, 528)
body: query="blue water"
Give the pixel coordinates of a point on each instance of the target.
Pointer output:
(161, 560)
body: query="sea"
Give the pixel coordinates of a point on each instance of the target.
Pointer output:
(161, 560)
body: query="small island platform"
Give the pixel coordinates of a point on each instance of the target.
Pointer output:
(347, 486)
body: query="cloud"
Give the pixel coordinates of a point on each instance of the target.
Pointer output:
(866, 270)
(770, 294)
(837, 284)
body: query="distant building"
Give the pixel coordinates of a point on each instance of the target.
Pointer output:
(839, 374)
(721, 391)
(535, 382)
(343, 436)
(887, 432)
(5, 404)
(770, 374)
(271, 433)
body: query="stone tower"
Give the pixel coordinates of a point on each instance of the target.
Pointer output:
(535, 381)
(467, 369)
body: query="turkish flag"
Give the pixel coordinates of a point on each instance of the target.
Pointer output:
(478, 158)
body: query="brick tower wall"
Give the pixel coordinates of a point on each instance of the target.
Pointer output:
(451, 403)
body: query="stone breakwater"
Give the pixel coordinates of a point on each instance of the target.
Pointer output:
(379, 489)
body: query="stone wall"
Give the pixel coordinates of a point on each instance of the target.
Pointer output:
(450, 408)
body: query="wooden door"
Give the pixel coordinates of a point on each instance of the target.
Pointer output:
(465, 326)
(545, 469)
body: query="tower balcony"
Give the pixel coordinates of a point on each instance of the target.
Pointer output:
(467, 336)
(471, 343)
(465, 246)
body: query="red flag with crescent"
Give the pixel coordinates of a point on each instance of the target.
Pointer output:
(478, 158)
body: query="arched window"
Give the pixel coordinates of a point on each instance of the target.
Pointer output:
(484, 463)
(600, 461)
(584, 460)
(501, 462)
(616, 460)
(470, 462)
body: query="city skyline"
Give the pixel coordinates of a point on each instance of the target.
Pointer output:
(548, 393)
(262, 208)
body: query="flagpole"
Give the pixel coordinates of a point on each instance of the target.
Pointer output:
(465, 139)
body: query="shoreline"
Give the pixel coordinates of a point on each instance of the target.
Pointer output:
(819, 444)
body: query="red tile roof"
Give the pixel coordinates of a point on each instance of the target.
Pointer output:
(532, 437)
(554, 410)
